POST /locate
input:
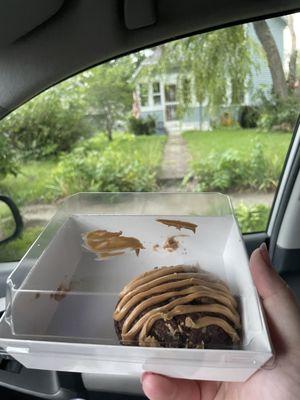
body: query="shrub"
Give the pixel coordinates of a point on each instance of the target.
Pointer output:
(279, 114)
(252, 218)
(248, 117)
(47, 125)
(142, 126)
(110, 168)
(8, 159)
(232, 171)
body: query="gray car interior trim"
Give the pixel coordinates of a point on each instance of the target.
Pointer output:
(139, 14)
(294, 148)
(17, 19)
(43, 384)
(289, 233)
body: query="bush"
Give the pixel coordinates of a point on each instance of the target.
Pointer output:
(110, 168)
(248, 117)
(142, 126)
(252, 218)
(47, 125)
(8, 159)
(231, 171)
(279, 114)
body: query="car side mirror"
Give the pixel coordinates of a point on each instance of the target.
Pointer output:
(11, 223)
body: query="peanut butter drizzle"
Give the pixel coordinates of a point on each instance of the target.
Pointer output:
(188, 309)
(179, 224)
(206, 321)
(163, 297)
(127, 302)
(138, 326)
(153, 274)
(171, 244)
(181, 285)
(106, 244)
(174, 277)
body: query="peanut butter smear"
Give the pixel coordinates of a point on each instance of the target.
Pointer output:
(166, 292)
(60, 292)
(107, 244)
(179, 224)
(172, 244)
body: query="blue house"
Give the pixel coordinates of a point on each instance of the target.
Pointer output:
(157, 96)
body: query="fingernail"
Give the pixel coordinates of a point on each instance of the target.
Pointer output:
(265, 254)
(143, 376)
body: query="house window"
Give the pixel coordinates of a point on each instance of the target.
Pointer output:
(144, 98)
(156, 93)
(171, 112)
(170, 93)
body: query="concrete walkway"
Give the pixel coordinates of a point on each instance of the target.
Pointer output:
(175, 161)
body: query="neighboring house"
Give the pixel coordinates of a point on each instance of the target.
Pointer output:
(157, 96)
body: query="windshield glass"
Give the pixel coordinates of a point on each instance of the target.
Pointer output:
(211, 112)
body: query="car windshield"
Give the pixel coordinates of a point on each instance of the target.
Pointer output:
(210, 112)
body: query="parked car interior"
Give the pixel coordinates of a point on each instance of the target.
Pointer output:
(45, 43)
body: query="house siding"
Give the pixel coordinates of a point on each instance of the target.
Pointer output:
(261, 76)
(198, 117)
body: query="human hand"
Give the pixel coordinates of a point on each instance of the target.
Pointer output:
(281, 382)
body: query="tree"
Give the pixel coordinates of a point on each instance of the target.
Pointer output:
(268, 43)
(281, 85)
(109, 94)
(48, 124)
(292, 76)
(215, 66)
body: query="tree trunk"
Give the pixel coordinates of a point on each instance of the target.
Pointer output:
(293, 57)
(109, 123)
(273, 57)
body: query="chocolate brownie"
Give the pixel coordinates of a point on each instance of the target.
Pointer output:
(177, 306)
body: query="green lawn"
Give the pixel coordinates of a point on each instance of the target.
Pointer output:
(14, 250)
(200, 144)
(32, 184)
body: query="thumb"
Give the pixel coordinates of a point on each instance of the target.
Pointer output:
(158, 387)
(280, 305)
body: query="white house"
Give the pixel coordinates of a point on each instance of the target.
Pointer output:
(157, 96)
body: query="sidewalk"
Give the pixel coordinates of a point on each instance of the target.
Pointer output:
(175, 161)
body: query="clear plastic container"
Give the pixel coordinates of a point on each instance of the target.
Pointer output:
(60, 298)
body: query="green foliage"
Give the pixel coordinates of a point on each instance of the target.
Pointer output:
(279, 114)
(248, 116)
(118, 166)
(50, 123)
(141, 126)
(8, 158)
(14, 250)
(230, 171)
(252, 218)
(108, 94)
(36, 183)
(216, 66)
(200, 144)
(31, 184)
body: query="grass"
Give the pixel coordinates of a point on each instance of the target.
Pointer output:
(200, 144)
(14, 250)
(150, 147)
(31, 185)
